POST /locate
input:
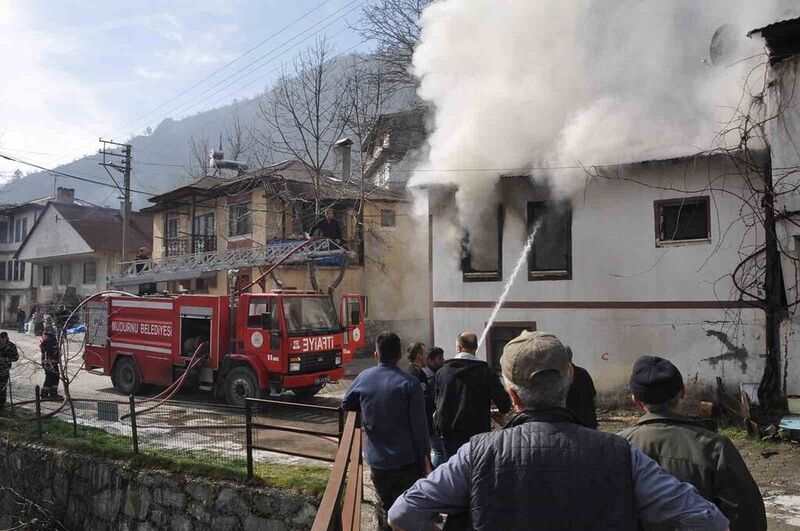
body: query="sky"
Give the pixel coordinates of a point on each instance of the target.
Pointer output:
(76, 71)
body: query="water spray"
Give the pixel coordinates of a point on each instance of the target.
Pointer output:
(507, 288)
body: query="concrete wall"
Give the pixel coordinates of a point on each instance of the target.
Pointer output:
(784, 139)
(627, 297)
(89, 493)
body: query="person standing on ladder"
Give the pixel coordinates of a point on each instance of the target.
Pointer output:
(50, 355)
(327, 228)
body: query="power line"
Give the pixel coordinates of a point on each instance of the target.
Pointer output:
(227, 82)
(69, 175)
(226, 65)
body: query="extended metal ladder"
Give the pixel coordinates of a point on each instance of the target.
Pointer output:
(193, 265)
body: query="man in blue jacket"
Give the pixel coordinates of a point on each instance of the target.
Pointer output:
(393, 416)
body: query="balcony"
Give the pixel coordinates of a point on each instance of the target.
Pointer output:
(204, 244)
(177, 246)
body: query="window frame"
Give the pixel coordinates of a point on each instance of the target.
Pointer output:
(552, 274)
(47, 276)
(61, 274)
(4, 231)
(490, 354)
(235, 220)
(470, 275)
(168, 235)
(390, 212)
(94, 272)
(660, 203)
(3, 270)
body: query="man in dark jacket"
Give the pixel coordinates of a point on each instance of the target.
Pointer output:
(393, 415)
(20, 320)
(435, 362)
(465, 390)
(328, 228)
(545, 470)
(8, 355)
(687, 450)
(50, 355)
(580, 399)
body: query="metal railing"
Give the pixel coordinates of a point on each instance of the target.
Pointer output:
(176, 267)
(340, 508)
(252, 428)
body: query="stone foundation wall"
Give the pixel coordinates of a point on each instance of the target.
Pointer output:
(84, 492)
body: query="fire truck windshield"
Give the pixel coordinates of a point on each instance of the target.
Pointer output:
(310, 315)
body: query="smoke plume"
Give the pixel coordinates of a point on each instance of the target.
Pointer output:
(528, 86)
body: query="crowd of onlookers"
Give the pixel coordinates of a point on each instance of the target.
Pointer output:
(435, 460)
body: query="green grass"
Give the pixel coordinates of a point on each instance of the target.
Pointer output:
(95, 441)
(736, 433)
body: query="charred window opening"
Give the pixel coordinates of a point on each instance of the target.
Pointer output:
(683, 220)
(482, 253)
(550, 257)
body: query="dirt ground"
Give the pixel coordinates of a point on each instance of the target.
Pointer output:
(775, 466)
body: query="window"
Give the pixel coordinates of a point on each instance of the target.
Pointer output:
(3, 270)
(682, 220)
(19, 270)
(239, 220)
(24, 227)
(18, 230)
(204, 240)
(65, 274)
(47, 276)
(550, 257)
(172, 228)
(387, 218)
(500, 334)
(3, 231)
(89, 273)
(258, 307)
(487, 264)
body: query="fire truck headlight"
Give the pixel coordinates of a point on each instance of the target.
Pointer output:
(294, 367)
(338, 360)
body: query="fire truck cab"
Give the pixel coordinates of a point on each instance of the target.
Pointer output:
(264, 342)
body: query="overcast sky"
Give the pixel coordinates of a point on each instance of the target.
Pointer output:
(75, 71)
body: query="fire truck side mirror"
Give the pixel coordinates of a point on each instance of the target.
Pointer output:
(266, 321)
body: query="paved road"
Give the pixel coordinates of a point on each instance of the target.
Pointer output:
(169, 423)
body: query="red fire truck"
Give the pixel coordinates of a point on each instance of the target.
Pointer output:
(263, 342)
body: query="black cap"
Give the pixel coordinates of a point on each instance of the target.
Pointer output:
(655, 380)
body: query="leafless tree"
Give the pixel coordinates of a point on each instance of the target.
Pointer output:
(306, 112)
(394, 26)
(199, 148)
(238, 141)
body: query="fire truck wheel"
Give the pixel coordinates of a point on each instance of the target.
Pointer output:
(304, 393)
(241, 383)
(126, 376)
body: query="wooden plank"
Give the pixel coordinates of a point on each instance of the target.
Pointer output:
(351, 505)
(330, 498)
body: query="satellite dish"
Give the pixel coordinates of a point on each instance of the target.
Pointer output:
(724, 45)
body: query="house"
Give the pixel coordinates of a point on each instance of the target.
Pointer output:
(639, 262)
(17, 289)
(782, 40)
(226, 215)
(390, 149)
(74, 246)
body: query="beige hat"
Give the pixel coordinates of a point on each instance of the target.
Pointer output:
(531, 354)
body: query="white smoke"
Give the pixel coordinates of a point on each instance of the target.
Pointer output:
(521, 85)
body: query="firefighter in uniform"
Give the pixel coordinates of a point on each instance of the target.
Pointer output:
(8, 355)
(50, 355)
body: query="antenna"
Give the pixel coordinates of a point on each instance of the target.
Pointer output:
(725, 44)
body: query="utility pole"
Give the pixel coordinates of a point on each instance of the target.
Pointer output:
(124, 167)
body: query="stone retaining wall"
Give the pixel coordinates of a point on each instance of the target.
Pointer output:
(84, 492)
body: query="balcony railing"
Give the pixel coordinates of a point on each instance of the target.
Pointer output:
(177, 246)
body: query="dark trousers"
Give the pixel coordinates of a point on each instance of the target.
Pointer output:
(50, 387)
(390, 484)
(452, 442)
(3, 386)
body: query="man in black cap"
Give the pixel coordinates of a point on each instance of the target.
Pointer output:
(547, 471)
(689, 451)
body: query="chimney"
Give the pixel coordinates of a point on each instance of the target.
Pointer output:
(65, 196)
(343, 147)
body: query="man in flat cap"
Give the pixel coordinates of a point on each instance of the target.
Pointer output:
(545, 470)
(689, 451)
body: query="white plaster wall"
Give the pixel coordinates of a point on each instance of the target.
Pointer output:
(54, 237)
(615, 259)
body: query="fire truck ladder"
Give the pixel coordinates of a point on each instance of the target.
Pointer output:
(194, 265)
